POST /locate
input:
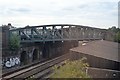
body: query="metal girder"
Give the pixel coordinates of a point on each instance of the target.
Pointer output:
(53, 33)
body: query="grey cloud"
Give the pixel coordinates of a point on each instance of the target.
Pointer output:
(21, 10)
(10, 11)
(68, 9)
(83, 6)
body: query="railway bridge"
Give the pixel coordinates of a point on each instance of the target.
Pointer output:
(58, 32)
(47, 41)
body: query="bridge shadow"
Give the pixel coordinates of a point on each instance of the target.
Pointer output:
(45, 52)
(35, 55)
(23, 58)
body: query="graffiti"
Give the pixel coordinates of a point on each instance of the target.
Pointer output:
(12, 62)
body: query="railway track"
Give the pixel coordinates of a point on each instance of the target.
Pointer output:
(37, 71)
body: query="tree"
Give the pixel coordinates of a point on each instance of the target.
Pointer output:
(113, 28)
(117, 37)
(71, 69)
(14, 42)
(117, 33)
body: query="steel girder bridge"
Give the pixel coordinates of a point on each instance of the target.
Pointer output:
(57, 32)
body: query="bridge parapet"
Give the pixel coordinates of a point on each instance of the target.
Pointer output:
(57, 32)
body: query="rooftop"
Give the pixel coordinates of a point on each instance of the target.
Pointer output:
(100, 48)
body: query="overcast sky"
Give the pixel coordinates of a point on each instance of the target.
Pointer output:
(94, 13)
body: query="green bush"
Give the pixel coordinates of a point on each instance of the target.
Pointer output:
(71, 69)
(14, 42)
(117, 37)
(117, 33)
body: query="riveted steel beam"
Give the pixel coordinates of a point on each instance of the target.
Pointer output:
(73, 32)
